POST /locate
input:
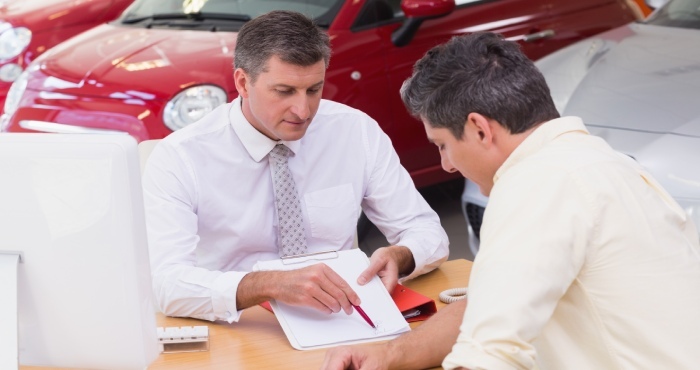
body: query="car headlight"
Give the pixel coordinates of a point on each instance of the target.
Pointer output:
(10, 72)
(13, 40)
(192, 104)
(15, 93)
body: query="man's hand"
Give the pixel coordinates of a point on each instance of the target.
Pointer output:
(316, 286)
(367, 357)
(423, 347)
(388, 263)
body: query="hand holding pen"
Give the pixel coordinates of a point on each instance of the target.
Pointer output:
(316, 286)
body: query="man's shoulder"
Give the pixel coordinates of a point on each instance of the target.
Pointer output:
(201, 136)
(341, 118)
(579, 152)
(330, 108)
(209, 125)
(575, 159)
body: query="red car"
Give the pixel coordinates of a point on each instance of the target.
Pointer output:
(165, 63)
(30, 27)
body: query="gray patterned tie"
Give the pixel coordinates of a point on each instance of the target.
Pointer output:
(292, 239)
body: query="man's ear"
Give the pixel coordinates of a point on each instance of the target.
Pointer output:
(481, 127)
(241, 79)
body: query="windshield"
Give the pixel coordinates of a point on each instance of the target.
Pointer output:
(322, 11)
(677, 13)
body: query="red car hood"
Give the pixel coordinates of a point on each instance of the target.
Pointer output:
(109, 61)
(41, 15)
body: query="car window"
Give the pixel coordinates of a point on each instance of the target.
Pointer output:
(376, 12)
(245, 8)
(380, 12)
(677, 13)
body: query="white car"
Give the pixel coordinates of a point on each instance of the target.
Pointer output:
(638, 87)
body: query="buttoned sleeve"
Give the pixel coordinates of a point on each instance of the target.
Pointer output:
(181, 287)
(393, 204)
(534, 236)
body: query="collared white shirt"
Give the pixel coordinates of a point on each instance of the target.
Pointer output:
(585, 263)
(210, 203)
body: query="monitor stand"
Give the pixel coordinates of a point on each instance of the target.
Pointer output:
(9, 336)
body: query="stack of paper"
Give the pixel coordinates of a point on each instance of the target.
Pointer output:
(307, 328)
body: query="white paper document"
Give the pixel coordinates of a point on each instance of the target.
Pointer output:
(307, 328)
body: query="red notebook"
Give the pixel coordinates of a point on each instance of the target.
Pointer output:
(413, 305)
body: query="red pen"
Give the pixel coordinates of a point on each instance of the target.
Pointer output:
(364, 315)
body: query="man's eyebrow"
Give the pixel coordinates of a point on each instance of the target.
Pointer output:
(316, 85)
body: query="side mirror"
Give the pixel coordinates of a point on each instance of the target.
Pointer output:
(655, 4)
(416, 11)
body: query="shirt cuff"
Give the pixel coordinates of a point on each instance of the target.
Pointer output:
(473, 356)
(424, 260)
(223, 296)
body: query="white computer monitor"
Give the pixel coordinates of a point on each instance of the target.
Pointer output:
(71, 207)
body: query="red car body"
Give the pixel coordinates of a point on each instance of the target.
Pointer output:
(52, 22)
(119, 77)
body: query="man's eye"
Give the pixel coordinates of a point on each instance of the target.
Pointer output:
(284, 92)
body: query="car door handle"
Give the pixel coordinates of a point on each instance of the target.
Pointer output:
(539, 35)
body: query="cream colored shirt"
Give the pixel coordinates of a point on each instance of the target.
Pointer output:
(210, 210)
(585, 263)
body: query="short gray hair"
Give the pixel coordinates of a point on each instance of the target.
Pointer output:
(478, 73)
(291, 36)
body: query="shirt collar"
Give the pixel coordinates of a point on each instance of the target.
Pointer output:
(256, 143)
(539, 138)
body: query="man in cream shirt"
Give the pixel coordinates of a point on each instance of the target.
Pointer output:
(585, 261)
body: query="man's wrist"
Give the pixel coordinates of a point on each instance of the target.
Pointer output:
(404, 260)
(394, 351)
(254, 288)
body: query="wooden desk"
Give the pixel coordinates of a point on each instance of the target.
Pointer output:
(258, 342)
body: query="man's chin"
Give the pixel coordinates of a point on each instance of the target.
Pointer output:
(292, 131)
(291, 135)
(484, 190)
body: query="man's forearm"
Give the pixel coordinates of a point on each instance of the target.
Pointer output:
(427, 345)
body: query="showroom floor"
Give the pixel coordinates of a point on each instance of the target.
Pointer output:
(445, 200)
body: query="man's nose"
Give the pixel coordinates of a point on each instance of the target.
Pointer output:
(446, 164)
(300, 107)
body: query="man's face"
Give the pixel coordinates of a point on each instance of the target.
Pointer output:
(464, 155)
(283, 99)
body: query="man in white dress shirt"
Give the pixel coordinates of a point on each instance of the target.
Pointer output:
(210, 199)
(585, 261)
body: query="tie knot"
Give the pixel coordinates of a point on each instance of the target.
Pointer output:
(281, 150)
